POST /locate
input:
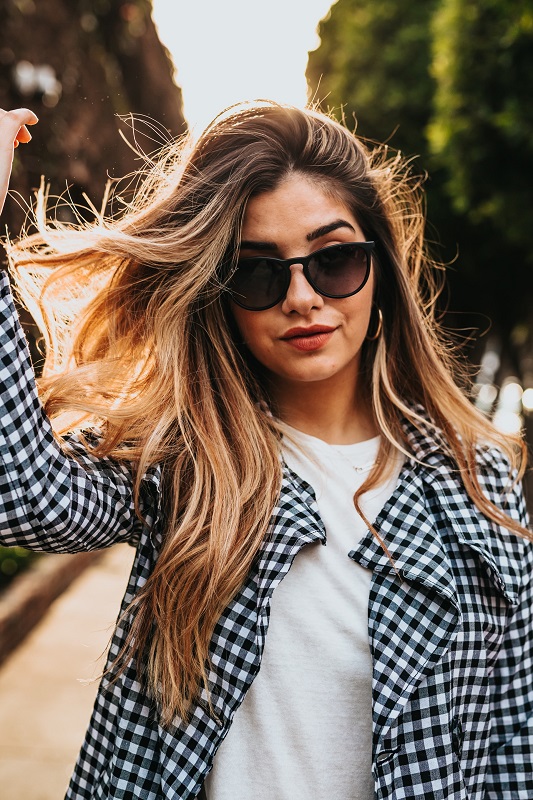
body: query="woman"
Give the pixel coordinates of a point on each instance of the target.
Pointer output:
(251, 371)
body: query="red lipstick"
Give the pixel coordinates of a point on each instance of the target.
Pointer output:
(312, 338)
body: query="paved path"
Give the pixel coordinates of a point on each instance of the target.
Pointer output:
(44, 704)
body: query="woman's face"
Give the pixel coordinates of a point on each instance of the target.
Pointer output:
(295, 219)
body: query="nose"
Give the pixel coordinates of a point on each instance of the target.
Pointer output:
(301, 296)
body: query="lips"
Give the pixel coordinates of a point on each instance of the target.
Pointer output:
(312, 330)
(312, 338)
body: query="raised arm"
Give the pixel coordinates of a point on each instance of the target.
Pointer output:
(51, 498)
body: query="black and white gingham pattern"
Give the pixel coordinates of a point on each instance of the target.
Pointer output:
(450, 625)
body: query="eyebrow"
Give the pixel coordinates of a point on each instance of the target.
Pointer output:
(248, 244)
(324, 229)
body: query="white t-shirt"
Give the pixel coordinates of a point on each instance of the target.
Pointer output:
(304, 729)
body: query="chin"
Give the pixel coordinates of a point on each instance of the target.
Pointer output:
(309, 375)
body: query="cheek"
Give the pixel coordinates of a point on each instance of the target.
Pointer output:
(251, 326)
(358, 312)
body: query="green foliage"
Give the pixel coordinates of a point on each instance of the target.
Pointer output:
(373, 62)
(482, 129)
(13, 561)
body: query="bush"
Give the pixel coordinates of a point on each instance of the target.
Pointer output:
(13, 561)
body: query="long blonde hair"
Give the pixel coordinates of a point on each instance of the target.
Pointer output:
(140, 343)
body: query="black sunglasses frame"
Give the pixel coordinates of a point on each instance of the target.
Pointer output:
(286, 263)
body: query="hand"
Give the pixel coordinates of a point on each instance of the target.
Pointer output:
(13, 131)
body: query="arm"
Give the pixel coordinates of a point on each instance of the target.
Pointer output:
(48, 501)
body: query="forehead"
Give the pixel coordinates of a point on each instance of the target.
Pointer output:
(299, 203)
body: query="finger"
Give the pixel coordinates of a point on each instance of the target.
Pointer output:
(12, 132)
(24, 115)
(23, 136)
(12, 124)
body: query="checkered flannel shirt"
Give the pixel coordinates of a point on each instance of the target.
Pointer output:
(450, 630)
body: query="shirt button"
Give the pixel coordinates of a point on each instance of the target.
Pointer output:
(385, 756)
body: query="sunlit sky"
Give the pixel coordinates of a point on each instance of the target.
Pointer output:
(227, 51)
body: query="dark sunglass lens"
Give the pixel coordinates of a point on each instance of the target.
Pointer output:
(257, 283)
(339, 271)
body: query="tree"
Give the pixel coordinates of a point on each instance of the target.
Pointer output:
(84, 64)
(79, 64)
(482, 135)
(373, 63)
(482, 129)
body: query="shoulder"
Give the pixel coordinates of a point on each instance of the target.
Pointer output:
(495, 474)
(493, 465)
(499, 482)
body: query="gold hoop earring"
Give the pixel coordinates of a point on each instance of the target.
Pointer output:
(379, 328)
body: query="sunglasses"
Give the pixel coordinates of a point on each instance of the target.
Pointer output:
(340, 270)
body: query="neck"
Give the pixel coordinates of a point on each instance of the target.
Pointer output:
(334, 413)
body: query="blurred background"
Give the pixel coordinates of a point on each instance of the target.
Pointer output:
(447, 82)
